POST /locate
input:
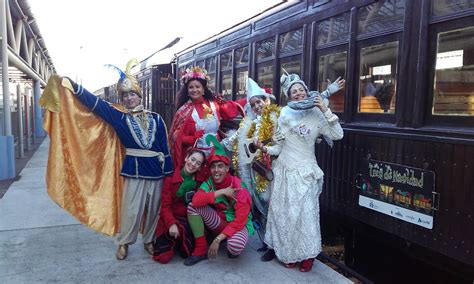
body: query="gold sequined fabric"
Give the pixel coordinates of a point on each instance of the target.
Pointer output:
(85, 159)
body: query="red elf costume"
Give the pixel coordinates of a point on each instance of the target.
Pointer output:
(227, 217)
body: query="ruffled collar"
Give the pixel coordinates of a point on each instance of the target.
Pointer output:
(138, 108)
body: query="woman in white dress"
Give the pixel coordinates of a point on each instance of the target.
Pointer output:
(293, 229)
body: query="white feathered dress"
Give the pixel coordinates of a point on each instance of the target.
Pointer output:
(293, 228)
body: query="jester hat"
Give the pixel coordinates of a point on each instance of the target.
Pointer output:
(218, 153)
(254, 90)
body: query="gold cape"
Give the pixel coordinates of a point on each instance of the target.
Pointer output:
(85, 159)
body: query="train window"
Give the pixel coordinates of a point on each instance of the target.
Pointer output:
(211, 71)
(201, 64)
(291, 41)
(242, 56)
(265, 48)
(211, 64)
(226, 61)
(377, 78)
(181, 70)
(241, 79)
(292, 66)
(150, 94)
(334, 29)
(265, 75)
(446, 7)
(330, 67)
(381, 16)
(226, 85)
(453, 90)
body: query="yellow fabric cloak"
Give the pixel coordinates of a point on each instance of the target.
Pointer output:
(85, 159)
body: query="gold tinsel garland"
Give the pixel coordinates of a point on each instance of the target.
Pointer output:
(267, 125)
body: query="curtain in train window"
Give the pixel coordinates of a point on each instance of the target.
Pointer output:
(381, 16)
(377, 81)
(265, 75)
(241, 75)
(446, 7)
(332, 66)
(454, 76)
(293, 66)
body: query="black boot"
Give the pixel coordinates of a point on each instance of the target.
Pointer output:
(269, 255)
(229, 255)
(263, 248)
(193, 259)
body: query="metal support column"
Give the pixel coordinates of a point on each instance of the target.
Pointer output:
(29, 119)
(39, 131)
(19, 111)
(7, 148)
(7, 119)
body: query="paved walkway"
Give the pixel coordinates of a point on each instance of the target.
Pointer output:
(40, 242)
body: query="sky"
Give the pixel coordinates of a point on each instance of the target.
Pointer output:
(87, 34)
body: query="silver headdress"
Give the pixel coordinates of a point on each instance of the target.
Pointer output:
(287, 80)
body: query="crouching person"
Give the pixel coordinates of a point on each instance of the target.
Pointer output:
(173, 232)
(222, 204)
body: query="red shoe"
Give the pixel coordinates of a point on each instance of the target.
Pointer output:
(164, 258)
(290, 265)
(307, 265)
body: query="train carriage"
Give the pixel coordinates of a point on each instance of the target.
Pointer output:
(401, 179)
(408, 109)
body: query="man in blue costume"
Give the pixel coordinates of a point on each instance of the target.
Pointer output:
(147, 161)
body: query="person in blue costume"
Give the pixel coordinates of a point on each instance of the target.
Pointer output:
(144, 135)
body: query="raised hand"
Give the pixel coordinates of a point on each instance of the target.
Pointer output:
(319, 102)
(335, 86)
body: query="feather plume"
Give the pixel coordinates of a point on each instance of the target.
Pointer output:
(130, 64)
(113, 67)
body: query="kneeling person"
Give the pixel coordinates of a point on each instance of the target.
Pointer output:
(173, 232)
(222, 204)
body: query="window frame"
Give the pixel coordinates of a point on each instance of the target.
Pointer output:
(378, 117)
(326, 51)
(238, 67)
(430, 118)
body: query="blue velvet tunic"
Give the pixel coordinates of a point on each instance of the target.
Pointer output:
(133, 136)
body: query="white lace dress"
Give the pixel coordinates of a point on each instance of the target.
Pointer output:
(293, 229)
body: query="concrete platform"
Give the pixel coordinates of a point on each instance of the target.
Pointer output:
(40, 242)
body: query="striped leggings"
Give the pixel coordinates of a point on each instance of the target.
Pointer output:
(235, 243)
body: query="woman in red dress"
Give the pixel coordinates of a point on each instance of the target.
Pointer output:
(199, 114)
